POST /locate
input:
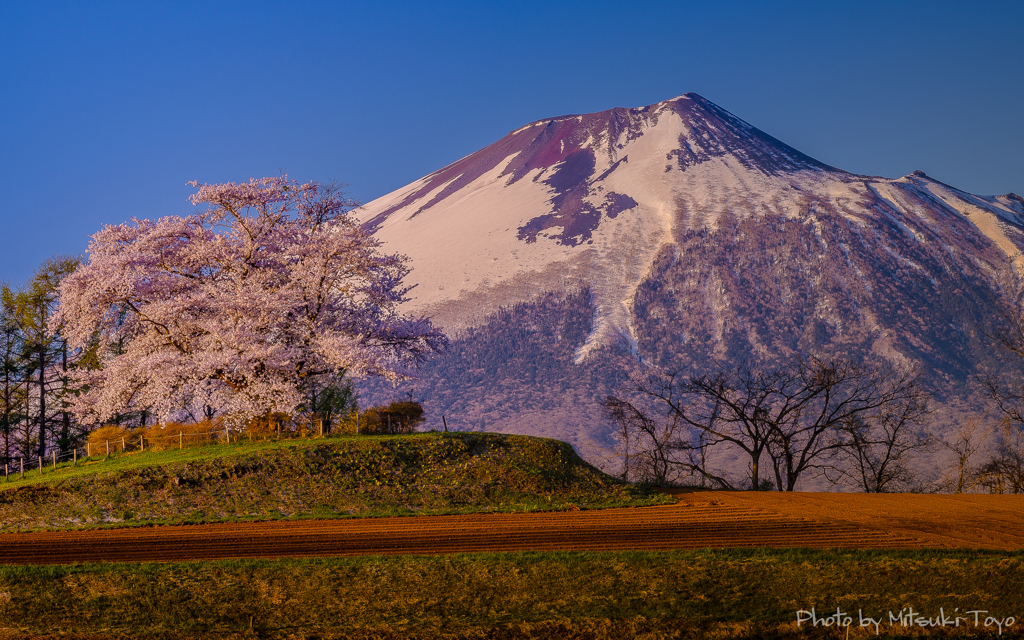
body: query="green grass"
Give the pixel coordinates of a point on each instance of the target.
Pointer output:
(707, 593)
(429, 473)
(133, 460)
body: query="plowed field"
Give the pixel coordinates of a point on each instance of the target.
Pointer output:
(698, 519)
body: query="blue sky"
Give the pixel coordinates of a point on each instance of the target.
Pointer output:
(107, 109)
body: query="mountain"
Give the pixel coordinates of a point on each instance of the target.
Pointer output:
(677, 235)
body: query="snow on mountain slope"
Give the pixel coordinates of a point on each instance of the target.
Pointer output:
(680, 236)
(592, 198)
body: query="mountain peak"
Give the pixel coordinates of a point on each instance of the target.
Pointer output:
(678, 235)
(573, 157)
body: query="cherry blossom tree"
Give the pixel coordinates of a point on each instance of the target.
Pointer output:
(240, 307)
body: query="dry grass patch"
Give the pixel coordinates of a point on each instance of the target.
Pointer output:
(752, 593)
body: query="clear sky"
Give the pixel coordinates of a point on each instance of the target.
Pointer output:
(107, 109)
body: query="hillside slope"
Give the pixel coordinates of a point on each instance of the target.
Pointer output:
(430, 473)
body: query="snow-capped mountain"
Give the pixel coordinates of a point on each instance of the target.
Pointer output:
(681, 236)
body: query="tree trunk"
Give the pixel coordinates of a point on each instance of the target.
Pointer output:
(313, 413)
(65, 425)
(42, 400)
(8, 415)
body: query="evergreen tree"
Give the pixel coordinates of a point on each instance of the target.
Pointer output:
(42, 357)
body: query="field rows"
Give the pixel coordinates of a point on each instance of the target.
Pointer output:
(697, 520)
(650, 528)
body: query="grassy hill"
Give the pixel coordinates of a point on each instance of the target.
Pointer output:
(429, 473)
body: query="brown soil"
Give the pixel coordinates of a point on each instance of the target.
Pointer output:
(698, 519)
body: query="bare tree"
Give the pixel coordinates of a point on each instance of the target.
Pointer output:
(658, 450)
(794, 414)
(828, 396)
(1009, 339)
(963, 445)
(663, 440)
(879, 445)
(1003, 472)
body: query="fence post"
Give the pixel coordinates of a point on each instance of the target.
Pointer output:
(357, 423)
(75, 463)
(142, 443)
(53, 454)
(107, 442)
(122, 446)
(40, 465)
(23, 468)
(181, 441)
(88, 449)
(227, 436)
(7, 471)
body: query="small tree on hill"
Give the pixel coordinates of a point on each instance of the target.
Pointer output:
(332, 402)
(240, 308)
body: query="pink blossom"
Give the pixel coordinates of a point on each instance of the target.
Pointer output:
(239, 306)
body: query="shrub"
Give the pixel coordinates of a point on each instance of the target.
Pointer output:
(114, 435)
(171, 435)
(397, 417)
(346, 424)
(268, 425)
